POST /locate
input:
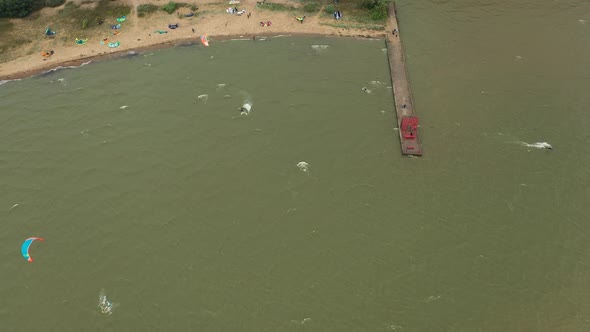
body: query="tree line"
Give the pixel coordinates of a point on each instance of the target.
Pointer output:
(22, 8)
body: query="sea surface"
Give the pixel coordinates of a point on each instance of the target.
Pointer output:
(165, 205)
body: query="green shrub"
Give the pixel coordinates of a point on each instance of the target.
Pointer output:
(170, 7)
(84, 23)
(54, 3)
(311, 7)
(145, 9)
(15, 8)
(194, 8)
(330, 9)
(379, 12)
(368, 4)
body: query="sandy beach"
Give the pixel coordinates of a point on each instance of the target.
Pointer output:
(137, 33)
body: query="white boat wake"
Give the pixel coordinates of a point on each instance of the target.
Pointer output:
(538, 145)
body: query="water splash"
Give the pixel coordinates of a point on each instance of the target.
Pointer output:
(303, 166)
(537, 145)
(105, 306)
(366, 90)
(245, 109)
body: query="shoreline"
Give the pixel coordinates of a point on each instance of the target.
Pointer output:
(132, 51)
(138, 34)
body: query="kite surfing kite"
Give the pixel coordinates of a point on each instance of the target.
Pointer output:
(24, 249)
(205, 40)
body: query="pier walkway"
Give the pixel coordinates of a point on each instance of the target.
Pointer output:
(407, 122)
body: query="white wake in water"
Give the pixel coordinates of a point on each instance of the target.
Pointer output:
(537, 145)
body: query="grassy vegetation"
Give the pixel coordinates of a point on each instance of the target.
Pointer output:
(342, 25)
(355, 15)
(5, 26)
(311, 7)
(72, 15)
(146, 9)
(276, 7)
(170, 7)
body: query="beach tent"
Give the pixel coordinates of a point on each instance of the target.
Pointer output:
(49, 32)
(81, 41)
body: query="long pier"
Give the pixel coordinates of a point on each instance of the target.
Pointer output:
(407, 122)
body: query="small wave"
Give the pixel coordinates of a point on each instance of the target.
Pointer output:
(6, 81)
(583, 21)
(66, 67)
(319, 47)
(203, 97)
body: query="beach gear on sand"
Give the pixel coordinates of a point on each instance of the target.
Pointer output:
(81, 41)
(300, 19)
(118, 26)
(205, 40)
(172, 26)
(113, 45)
(49, 32)
(161, 31)
(47, 54)
(265, 24)
(121, 19)
(191, 14)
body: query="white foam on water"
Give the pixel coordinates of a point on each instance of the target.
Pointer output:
(245, 109)
(366, 90)
(66, 67)
(105, 306)
(123, 107)
(303, 166)
(319, 47)
(203, 97)
(6, 81)
(537, 145)
(221, 85)
(582, 21)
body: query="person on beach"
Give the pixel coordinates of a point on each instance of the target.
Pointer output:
(193, 30)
